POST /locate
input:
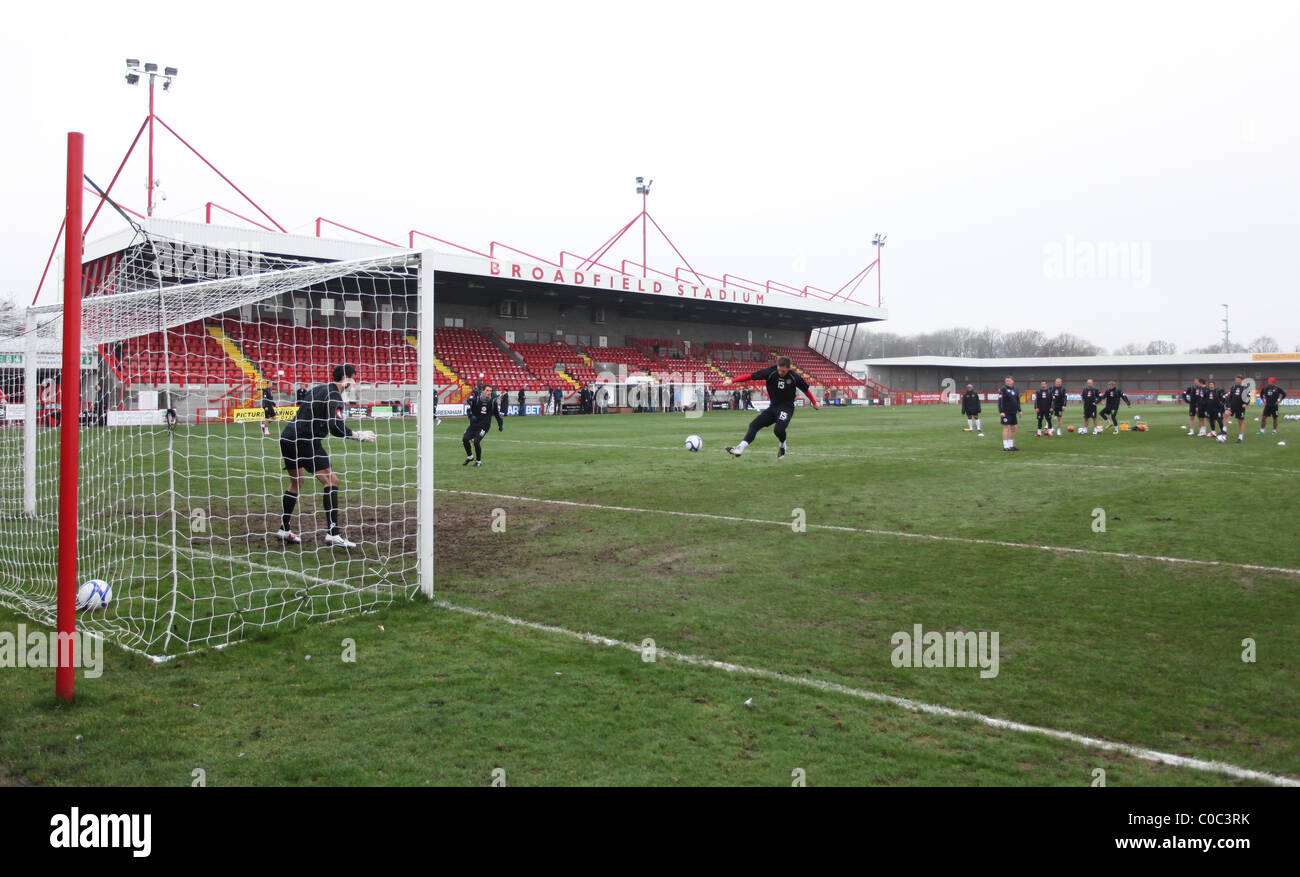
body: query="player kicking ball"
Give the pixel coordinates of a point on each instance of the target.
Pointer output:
(781, 386)
(320, 415)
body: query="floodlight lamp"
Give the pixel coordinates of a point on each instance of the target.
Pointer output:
(170, 71)
(132, 78)
(150, 67)
(132, 62)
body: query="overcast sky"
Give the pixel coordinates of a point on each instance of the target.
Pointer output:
(1115, 170)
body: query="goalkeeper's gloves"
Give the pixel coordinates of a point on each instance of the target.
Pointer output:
(363, 435)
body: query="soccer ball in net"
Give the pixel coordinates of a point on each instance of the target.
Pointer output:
(94, 594)
(694, 442)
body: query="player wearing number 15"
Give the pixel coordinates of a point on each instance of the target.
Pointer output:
(320, 414)
(781, 386)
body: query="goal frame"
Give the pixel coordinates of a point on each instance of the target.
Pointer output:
(71, 308)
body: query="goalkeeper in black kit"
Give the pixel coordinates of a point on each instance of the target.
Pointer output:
(782, 383)
(320, 415)
(1110, 405)
(481, 408)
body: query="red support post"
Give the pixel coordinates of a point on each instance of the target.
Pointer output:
(69, 420)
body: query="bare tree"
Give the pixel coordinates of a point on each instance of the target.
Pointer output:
(1066, 344)
(1130, 350)
(1161, 348)
(1026, 342)
(1263, 344)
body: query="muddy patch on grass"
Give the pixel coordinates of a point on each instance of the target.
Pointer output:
(491, 538)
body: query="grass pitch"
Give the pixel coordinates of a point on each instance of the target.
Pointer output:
(805, 567)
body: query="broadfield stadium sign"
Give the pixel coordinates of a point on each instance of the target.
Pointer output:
(623, 283)
(607, 280)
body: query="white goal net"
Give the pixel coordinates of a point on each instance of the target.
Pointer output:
(187, 386)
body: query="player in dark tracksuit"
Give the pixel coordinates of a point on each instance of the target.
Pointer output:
(1009, 410)
(1203, 407)
(1058, 403)
(1043, 407)
(1273, 396)
(1192, 396)
(268, 410)
(1238, 399)
(320, 415)
(481, 408)
(1090, 396)
(1214, 409)
(782, 383)
(1110, 404)
(970, 406)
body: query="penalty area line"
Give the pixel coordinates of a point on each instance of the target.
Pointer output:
(835, 528)
(1151, 755)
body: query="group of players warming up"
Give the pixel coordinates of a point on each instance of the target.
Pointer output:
(1206, 405)
(1049, 407)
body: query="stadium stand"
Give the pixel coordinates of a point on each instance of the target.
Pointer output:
(469, 353)
(556, 358)
(193, 356)
(817, 368)
(635, 360)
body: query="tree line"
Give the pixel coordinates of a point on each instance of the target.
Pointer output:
(989, 343)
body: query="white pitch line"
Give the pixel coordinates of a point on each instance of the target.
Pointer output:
(871, 452)
(906, 703)
(963, 540)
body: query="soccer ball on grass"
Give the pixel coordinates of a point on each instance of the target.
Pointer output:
(694, 443)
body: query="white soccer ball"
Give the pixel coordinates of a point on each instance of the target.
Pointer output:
(1137, 416)
(1221, 437)
(1281, 444)
(694, 443)
(94, 594)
